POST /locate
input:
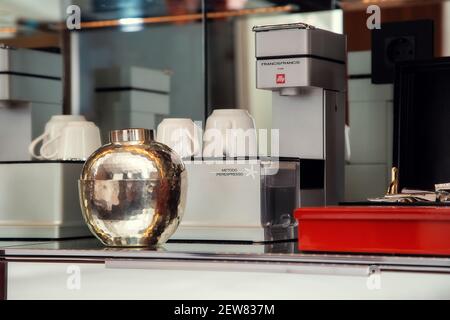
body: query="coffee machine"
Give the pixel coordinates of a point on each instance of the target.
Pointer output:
(30, 93)
(305, 68)
(38, 199)
(254, 199)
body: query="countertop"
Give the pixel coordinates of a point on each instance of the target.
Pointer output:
(280, 255)
(85, 269)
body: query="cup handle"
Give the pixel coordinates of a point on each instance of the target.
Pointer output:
(45, 145)
(34, 143)
(209, 145)
(223, 127)
(196, 145)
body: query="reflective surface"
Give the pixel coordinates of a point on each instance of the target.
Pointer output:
(207, 47)
(245, 253)
(133, 192)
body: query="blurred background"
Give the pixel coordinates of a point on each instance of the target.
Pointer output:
(135, 62)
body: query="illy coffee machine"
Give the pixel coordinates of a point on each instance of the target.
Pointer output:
(254, 200)
(305, 68)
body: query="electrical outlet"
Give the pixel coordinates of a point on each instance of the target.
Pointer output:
(398, 49)
(398, 42)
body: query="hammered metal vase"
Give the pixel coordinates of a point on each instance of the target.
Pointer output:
(133, 190)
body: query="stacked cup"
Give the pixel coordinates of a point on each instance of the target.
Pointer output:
(182, 135)
(228, 133)
(66, 137)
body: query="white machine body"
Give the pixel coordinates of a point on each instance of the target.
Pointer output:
(30, 93)
(240, 200)
(39, 200)
(305, 69)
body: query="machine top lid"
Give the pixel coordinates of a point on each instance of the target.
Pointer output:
(271, 27)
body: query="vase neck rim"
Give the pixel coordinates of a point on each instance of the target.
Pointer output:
(131, 135)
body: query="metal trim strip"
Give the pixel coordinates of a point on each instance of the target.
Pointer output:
(406, 261)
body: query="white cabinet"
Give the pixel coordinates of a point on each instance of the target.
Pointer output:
(153, 280)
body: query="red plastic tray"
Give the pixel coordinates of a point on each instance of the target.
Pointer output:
(397, 230)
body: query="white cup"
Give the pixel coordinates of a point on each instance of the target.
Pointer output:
(76, 141)
(230, 133)
(53, 129)
(180, 134)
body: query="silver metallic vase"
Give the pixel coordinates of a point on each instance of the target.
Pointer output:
(133, 190)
